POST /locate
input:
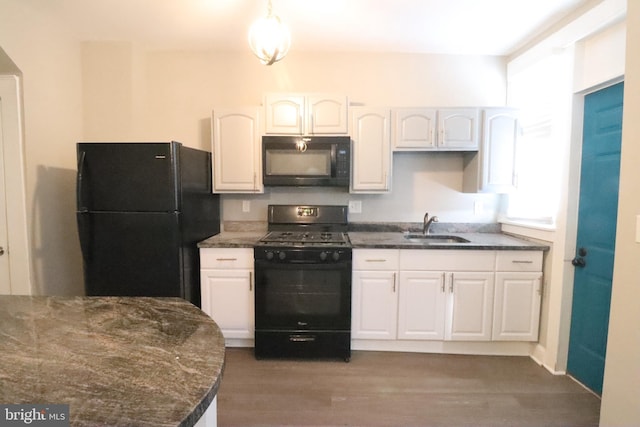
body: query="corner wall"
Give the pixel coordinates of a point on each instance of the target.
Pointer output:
(49, 61)
(621, 390)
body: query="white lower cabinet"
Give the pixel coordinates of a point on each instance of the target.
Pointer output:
(518, 295)
(446, 295)
(469, 306)
(226, 285)
(374, 309)
(375, 305)
(421, 306)
(396, 295)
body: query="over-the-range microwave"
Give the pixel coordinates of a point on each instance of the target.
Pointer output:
(323, 161)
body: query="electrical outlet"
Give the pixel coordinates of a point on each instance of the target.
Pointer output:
(355, 206)
(246, 206)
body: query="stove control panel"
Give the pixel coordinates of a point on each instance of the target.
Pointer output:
(302, 255)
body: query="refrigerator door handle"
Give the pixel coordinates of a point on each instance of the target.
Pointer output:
(84, 234)
(79, 183)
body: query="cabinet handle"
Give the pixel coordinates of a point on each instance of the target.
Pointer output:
(517, 261)
(394, 283)
(226, 259)
(375, 260)
(451, 284)
(250, 281)
(443, 280)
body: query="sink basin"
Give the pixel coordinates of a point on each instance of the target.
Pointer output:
(436, 239)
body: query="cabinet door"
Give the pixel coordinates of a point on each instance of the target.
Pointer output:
(371, 145)
(236, 151)
(517, 306)
(413, 129)
(458, 129)
(284, 114)
(498, 151)
(227, 296)
(374, 305)
(327, 114)
(469, 306)
(421, 306)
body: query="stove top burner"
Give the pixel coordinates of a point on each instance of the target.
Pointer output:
(306, 237)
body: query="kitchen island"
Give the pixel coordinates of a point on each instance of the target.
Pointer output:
(115, 361)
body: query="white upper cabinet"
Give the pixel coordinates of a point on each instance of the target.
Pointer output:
(371, 150)
(458, 128)
(236, 150)
(414, 129)
(428, 129)
(492, 169)
(300, 114)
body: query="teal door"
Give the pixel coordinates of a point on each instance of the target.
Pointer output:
(597, 215)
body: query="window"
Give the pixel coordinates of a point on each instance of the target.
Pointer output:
(542, 93)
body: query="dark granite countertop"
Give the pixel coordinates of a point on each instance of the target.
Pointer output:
(116, 361)
(233, 239)
(477, 241)
(388, 240)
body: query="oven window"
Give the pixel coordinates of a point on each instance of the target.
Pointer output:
(289, 162)
(302, 293)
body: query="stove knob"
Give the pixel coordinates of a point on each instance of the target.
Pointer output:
(336, 256)
(282, 255)
(323, 256)
(269, 255)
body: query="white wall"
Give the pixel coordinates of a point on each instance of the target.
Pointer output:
(50, 64)
(621, 391)
(130, 94)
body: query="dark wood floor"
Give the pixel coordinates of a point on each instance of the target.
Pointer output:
(400, 389)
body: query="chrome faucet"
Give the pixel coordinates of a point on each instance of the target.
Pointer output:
(426, 224)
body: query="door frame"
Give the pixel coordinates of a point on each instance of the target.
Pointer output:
(12, 144)
(573, 201)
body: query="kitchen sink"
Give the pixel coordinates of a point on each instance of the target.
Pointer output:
(436, 239)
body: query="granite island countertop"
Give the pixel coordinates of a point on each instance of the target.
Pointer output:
(116, 361)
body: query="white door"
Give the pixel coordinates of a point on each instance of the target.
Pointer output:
(374, 305)
(516, 309)
(236, 151)
(421, 308)
(5, 279)
(470, 306)
(458, 128)
(227, 296)
(15, 264)
(371, 149)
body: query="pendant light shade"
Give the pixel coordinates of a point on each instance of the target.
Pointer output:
(269, 38)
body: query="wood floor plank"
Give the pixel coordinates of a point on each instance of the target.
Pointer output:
(400, 389)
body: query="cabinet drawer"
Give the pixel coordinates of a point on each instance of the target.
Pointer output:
(457, 260)
(225, 258)
(519, 261)
(375, 259)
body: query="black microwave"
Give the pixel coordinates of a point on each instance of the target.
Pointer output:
(323, 161)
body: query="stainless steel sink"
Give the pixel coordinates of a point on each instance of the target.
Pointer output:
(434, 239)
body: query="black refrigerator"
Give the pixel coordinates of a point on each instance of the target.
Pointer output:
(141, 209)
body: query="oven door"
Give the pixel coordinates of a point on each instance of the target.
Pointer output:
(303, 296)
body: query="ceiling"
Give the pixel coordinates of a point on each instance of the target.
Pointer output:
(484, 27)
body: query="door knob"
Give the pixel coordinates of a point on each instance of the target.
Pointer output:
(1, 251)
(579, 260)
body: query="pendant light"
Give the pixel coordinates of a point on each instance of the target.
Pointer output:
(269, 38)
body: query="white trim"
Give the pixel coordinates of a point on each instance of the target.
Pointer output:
(12, 135)
(606, 13)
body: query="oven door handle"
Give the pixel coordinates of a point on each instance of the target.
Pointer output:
(302, 338)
